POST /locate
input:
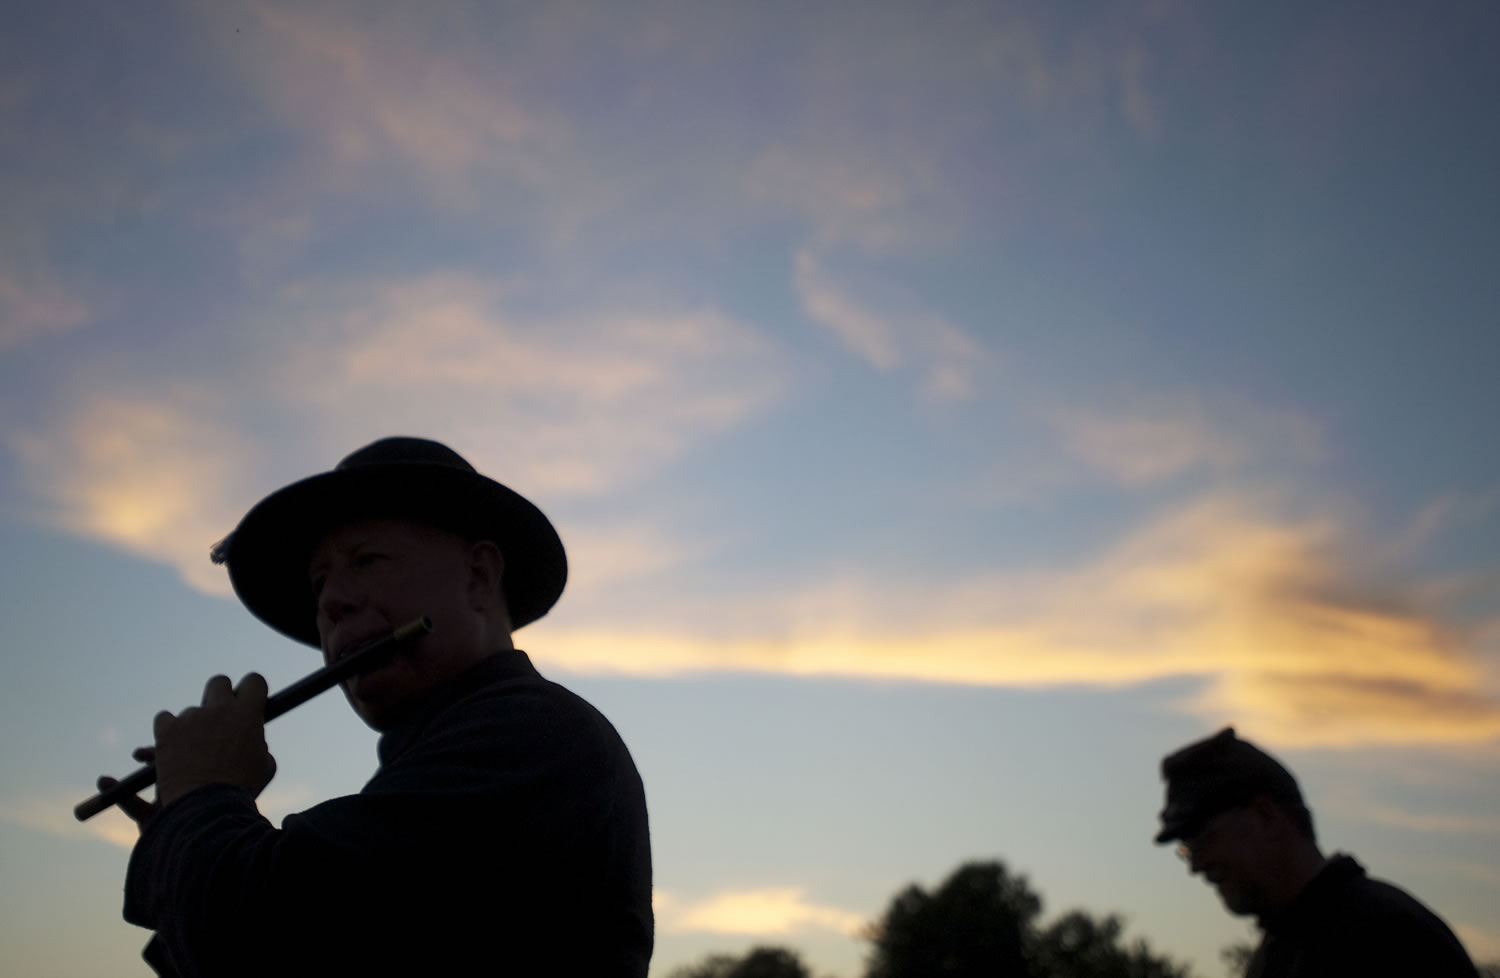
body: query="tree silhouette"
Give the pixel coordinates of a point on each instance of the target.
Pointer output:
(976, 924)
(761, 962)
(982, 921)
(1079, 946)
(1237, 958)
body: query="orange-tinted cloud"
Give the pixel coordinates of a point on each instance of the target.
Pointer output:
(53, 815)
(563, 406)
(150, 473)
(1266, 613)
(768, 912)
(1481, 943)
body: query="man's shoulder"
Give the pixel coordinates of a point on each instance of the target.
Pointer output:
(1368, 897)
(1387, 922)
(516, 709)
(521, 689)
(508, 728)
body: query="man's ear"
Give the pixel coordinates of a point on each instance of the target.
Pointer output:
(1268, 812)
(486, 571)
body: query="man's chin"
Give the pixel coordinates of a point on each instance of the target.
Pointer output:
(380, 708)
(376, 711)
(1235, 901)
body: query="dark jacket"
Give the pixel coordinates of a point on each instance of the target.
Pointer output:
(503, 834)
(1345, 924)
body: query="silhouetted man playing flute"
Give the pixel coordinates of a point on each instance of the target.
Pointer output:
(505, 830)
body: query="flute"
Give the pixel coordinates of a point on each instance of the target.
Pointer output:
(293, 696)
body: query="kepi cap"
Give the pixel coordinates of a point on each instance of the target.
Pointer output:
(1214, 775)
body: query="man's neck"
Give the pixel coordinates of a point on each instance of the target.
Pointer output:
(1302, 864)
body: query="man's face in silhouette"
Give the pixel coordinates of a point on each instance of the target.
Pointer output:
(371, 576)
(1231, 852)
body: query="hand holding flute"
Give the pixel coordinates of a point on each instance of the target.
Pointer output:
(222, 741)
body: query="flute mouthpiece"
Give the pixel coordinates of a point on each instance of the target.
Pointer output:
(412, 629)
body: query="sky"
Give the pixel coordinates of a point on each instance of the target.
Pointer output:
(948, 409)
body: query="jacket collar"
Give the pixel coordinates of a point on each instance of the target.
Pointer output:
(1337, 872)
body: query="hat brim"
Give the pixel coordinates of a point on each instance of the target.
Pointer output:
(268, 552)
(1182, 821)
(1172, 833)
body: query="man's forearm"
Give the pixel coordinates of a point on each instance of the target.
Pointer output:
(192, 877)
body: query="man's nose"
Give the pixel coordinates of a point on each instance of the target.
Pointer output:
(338, 596)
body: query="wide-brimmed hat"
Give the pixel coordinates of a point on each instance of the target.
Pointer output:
(1215, 775)
(403, 478)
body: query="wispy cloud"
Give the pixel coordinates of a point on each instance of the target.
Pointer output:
(386, 89)
(1451, 513)
(1137, 105)
(35, 306)
(1279, 624)
(280, 800)
(770, 912)
(1440, 822)
(1139, 441)
(53, 815)
(1486, 874)
(862, 330)
(868, 129)
(1482, 944)
(557, 406)
(565, 404)
(1143, 449)
(150, 473)
(601, 556)
(897, 334)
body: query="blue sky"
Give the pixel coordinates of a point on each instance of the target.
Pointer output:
(948, 409)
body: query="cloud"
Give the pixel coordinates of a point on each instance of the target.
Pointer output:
(1136, 103)
(867, 129)
(1482, 944)
(770, 912)
(280, 800)
(1488, 875)
(33, 306)
(898, 334)
(53, 815)
(1141, 441)
(563, 405)
(150, 473)
(386, 88)
(1452, 513)
(1274, 617)
(1146, 448)
(863, 331)
(1438, 822)
(569, 404)
(602, 556)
